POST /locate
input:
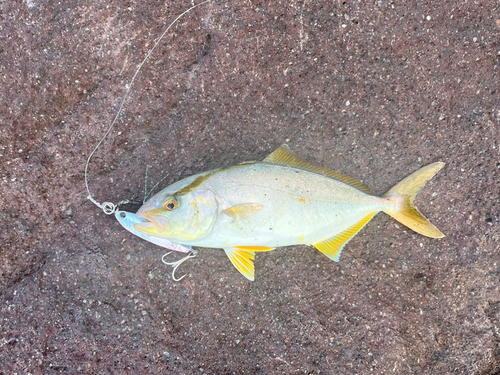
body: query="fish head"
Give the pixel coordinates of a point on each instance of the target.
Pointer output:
(180, 217)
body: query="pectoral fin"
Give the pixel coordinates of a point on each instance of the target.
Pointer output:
(242, 260)
(243, 211)
(332, 247)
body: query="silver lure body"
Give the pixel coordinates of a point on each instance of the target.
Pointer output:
(128, 219)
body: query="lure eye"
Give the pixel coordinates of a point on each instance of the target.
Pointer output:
(171, 204)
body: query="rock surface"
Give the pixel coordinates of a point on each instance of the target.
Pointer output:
(373, 90)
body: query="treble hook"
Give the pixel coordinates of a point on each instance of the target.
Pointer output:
(177, 263)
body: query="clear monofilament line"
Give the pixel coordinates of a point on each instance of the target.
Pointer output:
(108, 207)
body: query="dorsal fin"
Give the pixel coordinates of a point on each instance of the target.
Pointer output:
(285, 157)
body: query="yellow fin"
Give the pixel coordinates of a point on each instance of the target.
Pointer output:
(254, 248)
(243, 211)
(284, 156)
(243, 261)
(332, 247)
(404, 193)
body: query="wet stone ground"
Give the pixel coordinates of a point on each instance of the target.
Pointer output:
(374, 90)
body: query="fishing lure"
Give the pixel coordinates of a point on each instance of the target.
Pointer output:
(129, 219)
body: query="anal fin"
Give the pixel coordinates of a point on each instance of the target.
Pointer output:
(332, 247)
(242, 260)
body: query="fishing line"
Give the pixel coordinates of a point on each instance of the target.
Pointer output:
(108, 207)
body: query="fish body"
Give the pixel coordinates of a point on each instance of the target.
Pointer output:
(281, 201)
(277, 206)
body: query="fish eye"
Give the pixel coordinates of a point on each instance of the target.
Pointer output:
(171, 204)
(123, 215)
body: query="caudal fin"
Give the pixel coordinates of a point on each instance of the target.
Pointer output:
(404, 193)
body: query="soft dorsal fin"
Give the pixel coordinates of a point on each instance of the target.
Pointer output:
(285, 157)
(332, 247)
(242, 260)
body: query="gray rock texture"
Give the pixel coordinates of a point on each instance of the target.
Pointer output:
(373, 90)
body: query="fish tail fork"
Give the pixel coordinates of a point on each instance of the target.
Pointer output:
(402, 196)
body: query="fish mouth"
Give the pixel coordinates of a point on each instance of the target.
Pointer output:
(154, 222)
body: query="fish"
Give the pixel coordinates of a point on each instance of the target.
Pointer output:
(283, 200)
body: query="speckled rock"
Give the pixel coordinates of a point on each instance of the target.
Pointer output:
(373, 90)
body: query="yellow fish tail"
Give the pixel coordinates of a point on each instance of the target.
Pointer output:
(403, 195)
